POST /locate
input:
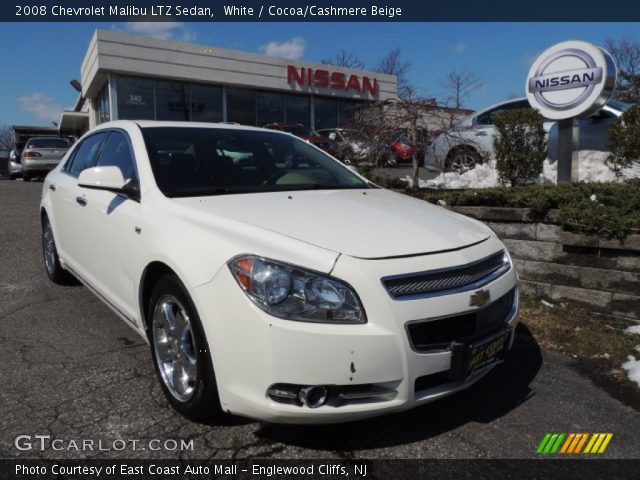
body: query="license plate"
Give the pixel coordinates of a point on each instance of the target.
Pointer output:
(472, 358)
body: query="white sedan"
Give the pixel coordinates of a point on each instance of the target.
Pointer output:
(270, 280)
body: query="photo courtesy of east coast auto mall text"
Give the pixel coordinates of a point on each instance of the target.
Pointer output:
(337, 239)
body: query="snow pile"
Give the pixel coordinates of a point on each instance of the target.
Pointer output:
(592, 168)
(633, 330)
(632, 366)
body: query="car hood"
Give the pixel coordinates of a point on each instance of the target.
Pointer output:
(373, 223)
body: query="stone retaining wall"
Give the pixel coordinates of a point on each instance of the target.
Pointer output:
(560, 266)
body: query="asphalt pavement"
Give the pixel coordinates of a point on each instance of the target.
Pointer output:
(73, 371)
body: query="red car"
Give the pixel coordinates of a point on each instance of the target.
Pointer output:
(401, 149)
(307, 134)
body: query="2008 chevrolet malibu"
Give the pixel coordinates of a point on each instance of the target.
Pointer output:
(270, 280)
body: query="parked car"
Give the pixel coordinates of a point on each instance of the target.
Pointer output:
(311, 136)
(14, 165)
(288, 292)
(470, 142)
(351, 145)
(401, 148)
(42, 154)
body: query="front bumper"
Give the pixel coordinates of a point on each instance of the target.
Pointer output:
(253, 351)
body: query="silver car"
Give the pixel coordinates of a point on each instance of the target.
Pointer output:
(14, 167)
(41, 155)
(470, 142)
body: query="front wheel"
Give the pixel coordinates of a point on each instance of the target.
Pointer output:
(26, 177)
(180, 351)
(462, 160)
(54, 270)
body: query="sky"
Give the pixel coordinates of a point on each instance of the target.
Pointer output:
(41, 58)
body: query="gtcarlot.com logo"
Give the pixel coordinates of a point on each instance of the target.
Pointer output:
(574, 443)
(46, 442)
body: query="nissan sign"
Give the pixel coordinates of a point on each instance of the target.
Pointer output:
(571, 79)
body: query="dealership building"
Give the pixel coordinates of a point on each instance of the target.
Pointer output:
(126, 76)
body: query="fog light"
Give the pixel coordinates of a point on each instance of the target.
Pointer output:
(313, 396)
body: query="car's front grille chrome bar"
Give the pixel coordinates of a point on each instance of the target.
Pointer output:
(447, 281)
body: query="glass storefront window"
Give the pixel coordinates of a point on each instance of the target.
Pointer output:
(101, 106)
(206, 103)
(135, 98)
(172, 101)
(325, 112)
(297, 109)
(270, 108)
(241, 106)
(347, 110)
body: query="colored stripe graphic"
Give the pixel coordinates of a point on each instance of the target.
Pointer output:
(603, 447)
(543, 443)
(598, 443)
(582, 440)
(573, 443)
(567, 443)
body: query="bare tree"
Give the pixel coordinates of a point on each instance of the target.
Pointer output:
(6, 138)
(381, 122)
(459, 85)
(626, 53)
(393, 64)
(344, 59)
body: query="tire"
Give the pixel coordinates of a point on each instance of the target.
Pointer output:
(26, 178)
(462, 159)
(52, 266)
(177, 340)
(12, 176)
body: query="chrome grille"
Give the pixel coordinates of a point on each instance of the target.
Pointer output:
(441, 282)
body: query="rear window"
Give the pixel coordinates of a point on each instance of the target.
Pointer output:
(48, 143)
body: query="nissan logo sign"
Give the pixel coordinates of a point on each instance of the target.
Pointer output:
(571, 79)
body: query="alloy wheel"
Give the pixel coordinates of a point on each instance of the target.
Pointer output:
(174, 347)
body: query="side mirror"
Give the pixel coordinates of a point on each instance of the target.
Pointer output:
(110, 179)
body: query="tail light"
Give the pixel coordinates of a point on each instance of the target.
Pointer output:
(31, 154)
(14, 157)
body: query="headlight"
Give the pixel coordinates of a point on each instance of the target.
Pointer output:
(292, 293)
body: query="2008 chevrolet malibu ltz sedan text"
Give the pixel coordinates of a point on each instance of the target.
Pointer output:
(272, 281)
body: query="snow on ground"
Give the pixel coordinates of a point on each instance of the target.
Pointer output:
(593, 168)
(632, 366)
(635, 329)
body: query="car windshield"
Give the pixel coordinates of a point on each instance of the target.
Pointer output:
(48, 143)
(191, 161)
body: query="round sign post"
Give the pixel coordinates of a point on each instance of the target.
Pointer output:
(569, 81)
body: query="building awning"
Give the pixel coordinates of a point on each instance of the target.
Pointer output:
(73, 123)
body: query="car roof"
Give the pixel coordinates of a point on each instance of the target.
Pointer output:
(124, 124)
(499, 104)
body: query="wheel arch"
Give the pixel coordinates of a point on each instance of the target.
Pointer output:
(463, 146)
(150, 276)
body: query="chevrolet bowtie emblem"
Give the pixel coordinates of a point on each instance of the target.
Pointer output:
(480, 298)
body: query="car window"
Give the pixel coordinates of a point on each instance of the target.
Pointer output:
(213, 161)
(116, 153)
(85, 154)
(52, 142)
(488, 118)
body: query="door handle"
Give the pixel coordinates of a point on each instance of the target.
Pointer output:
(481, 134)
(82, 201)
(52, 187)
